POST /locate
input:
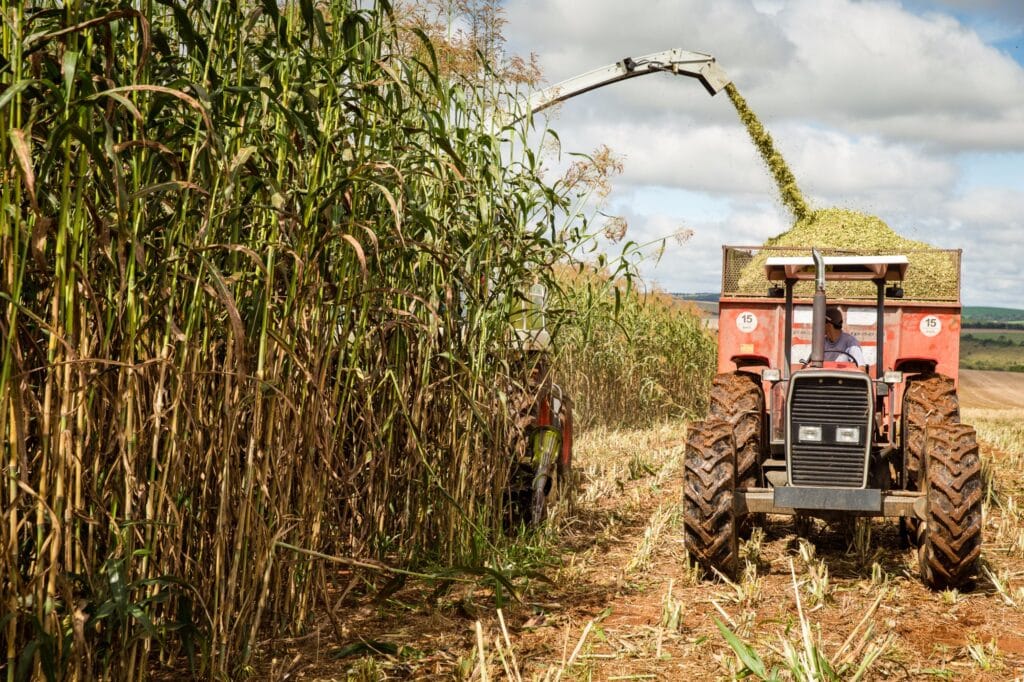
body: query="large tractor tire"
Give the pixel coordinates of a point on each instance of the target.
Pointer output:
(929, 399)
(949, 539)
(709, 488)
(738, 398)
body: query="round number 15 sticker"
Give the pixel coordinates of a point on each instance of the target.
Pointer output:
(931, 325)
(746, 322)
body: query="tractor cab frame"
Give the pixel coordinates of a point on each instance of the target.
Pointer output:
(789, 432)
(860, 442)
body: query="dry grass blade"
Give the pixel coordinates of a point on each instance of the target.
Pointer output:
(576, 651)
(481, 653)
(23, 156)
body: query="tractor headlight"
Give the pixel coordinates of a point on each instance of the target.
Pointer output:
(809, 433)
(848, 434)
(893, 377)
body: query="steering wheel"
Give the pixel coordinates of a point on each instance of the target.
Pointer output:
(852, 359)
(843, 352)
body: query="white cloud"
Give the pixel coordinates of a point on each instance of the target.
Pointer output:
(1000, 208)
(874, 104)
(870, 67)
(873, 66)
(571, 38)
(721, 160)
(991, 262)
(696, 265)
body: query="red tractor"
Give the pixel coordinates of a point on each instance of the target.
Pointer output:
(792, 431)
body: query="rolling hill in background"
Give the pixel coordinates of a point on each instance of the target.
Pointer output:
(981, 316)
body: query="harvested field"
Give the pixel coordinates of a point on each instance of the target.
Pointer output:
(626, 605)
(992, 390)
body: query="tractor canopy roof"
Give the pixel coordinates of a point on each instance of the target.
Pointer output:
(847, 268)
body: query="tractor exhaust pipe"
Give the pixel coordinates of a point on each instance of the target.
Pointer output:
(818, 321)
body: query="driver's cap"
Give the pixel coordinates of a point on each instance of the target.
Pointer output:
(833, 316)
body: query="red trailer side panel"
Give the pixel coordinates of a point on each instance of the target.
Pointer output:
(756, 326)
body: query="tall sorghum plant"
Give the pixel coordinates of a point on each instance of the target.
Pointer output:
(259, 262)
(631, 357)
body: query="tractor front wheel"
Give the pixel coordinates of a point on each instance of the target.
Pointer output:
(929, 399)
(949, 538)
(737, 397)
(709, 488)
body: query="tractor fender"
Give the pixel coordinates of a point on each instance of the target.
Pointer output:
(750, 360)
(916, 365)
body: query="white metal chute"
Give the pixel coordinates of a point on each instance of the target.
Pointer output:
(679, 62)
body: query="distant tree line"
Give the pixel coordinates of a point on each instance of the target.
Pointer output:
(1001, 341)
(991, 324)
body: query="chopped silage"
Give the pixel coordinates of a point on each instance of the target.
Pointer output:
(790, 192)
(931, 275)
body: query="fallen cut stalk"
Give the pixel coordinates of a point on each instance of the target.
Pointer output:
(575, 651)
(371, 565)
(508, 645)
(481, 652)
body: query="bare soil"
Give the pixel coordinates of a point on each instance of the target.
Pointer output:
(991, 390)
(611, 576)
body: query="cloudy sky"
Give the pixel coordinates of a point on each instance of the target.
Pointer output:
(912, 111)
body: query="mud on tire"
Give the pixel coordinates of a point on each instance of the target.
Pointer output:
(709, 487)
(949, 539)
(737, 397)
(929, 399)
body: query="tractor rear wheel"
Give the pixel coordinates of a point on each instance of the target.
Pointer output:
(949, 539)
(737, 397)
(929, 399)
(709, 488)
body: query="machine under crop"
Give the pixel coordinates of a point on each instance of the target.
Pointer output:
(792, 431)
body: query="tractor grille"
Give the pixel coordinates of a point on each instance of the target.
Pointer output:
(829, 401)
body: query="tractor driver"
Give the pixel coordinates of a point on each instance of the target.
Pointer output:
(839, 345)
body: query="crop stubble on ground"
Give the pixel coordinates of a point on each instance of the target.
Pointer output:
(625, 604)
